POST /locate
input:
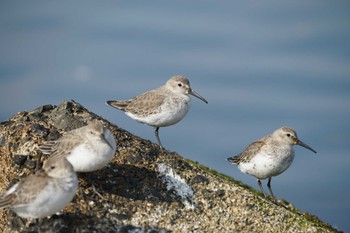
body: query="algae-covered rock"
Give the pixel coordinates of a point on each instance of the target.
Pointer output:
(143, 189)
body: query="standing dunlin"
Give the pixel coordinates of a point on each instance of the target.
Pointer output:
(88, 148)
(44, 193)
(164, 106)
(269, 156)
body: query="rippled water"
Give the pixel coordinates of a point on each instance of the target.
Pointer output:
(261, 65)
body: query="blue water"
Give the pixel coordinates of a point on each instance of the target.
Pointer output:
(260, 64)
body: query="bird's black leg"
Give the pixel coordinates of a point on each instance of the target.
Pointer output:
(157, 135)
(269, 186)
(261, 188)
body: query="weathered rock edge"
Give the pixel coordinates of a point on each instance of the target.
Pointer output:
(137, 195)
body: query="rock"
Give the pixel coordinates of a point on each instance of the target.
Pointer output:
(19, 160)
(200, 179)
(139, 187)
(2, 139)
(44, 108)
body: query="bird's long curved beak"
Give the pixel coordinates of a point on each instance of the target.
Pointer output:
(195, 94)
(300, 143)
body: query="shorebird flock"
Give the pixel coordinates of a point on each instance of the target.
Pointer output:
(92, 147)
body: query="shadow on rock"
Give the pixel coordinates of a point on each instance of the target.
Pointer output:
(129, 181)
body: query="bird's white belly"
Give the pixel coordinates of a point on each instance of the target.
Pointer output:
(48, 202)
(169, 115)
(263, 167)
(85, 159)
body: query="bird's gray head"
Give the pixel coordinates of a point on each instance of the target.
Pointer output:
(97, 132)
(58, 167)
(180, 84)
(95, 129)
(95, 125)
(290, 136)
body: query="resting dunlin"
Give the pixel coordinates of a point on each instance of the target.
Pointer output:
(44, 193)
(164, 106)
(269, 156)
(88, 148)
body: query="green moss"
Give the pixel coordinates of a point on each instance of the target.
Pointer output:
(304, 219)
(316, 222)
(222, 176)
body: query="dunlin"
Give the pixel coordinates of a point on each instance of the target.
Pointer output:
(88, 148)
(269, 156)
(44, 193)
(163, 106)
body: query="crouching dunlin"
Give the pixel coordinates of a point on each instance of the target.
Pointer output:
(88, 148)
(44, 193)
(164, 106)
(269, 156)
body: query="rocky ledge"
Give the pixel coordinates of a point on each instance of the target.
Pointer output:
(144, 189)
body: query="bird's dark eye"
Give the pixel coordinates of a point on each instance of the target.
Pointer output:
(52, 167)
(288, 134)
(180, 85)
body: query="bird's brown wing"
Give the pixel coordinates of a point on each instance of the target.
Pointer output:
(26, 190)
(248, 153)
(144, 104)
(63, 146)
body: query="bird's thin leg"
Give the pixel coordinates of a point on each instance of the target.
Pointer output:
(157, 135)
(96, 192)
(269, 186)
(261, 188)
(89, 182)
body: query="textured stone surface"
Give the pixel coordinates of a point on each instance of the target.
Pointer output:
(136, 197)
